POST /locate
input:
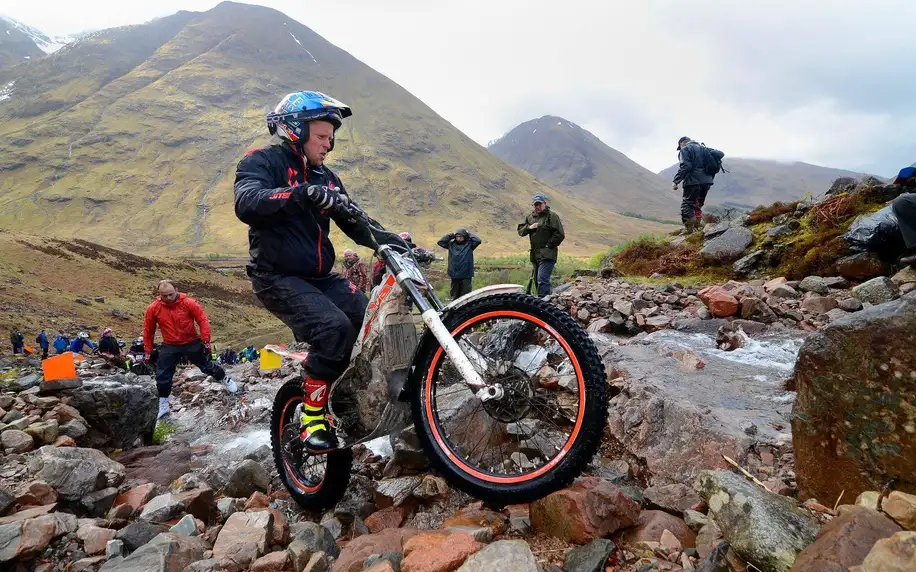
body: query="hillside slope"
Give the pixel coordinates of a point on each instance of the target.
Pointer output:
(41, 278)
(16, 46)
(568, 157)
(753, 182)
(135, 132)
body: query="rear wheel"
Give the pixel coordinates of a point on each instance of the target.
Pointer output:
(316, 482)
(548, 424)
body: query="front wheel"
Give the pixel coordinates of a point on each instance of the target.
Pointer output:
(548, 424)
(315, 482)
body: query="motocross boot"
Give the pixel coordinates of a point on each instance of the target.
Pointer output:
(316, 433)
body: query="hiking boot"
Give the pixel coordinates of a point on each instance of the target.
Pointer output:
(163, 408)
(316, 432)
(230, 384)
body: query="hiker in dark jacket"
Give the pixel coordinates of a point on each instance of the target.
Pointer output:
(17, 340)
(42, 341)
(695, 178)
(904, 207)
(460, 245)
(287, 197)
(545, 233)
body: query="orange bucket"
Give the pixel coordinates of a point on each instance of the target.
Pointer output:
(60, 366)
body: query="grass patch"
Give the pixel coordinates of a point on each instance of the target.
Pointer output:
(650, 254)
(766, 214)
(647, 217)
(162, 431)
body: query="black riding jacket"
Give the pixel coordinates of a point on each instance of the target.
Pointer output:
(287, 234)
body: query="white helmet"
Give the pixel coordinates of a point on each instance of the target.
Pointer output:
(83, 335)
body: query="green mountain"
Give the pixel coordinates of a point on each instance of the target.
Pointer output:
(130, 136)
(568, 157)
(16, 46)
(753, 182)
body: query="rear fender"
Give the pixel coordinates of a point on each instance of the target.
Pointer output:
(427, 342)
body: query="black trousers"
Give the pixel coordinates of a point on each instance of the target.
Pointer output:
(904, 207)
(168, 359)
(460, 287)
(694, 198)
(326, 313)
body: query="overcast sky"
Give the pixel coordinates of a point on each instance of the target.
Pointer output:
(830, 83)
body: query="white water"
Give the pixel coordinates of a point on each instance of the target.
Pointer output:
(778, 353)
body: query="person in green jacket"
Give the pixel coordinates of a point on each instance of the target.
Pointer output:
(545, 233)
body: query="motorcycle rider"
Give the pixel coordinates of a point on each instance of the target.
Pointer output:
(285, 194)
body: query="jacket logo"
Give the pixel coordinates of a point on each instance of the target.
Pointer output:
(292, 176)
(280, 195)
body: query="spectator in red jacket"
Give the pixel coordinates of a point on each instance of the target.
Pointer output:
(178, 318)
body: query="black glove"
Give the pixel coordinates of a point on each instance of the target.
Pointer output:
(321, 196)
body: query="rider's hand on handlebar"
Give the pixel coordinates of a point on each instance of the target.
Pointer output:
(321, 196)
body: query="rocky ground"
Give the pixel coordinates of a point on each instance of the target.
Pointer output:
(701, 467)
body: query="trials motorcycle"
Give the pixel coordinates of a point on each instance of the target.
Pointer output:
(506, 392)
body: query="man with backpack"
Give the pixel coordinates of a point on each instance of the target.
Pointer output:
(42, 341)
(699, 165)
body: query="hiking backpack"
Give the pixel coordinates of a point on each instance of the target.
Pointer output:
(711, 165)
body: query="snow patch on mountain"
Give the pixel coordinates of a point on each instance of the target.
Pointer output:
(7, 90)
(47, 44)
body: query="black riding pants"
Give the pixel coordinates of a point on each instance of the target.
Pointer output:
(326, 313)
(168, 359)
(694, 198)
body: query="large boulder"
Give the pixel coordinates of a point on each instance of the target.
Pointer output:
(244, 538)
(860, 266)
(766, 529)
(846, 540)
(591, 508)
(117, 408)
(247, 478)
(876, 291)
(894, 554)
(168, 552)
(853, 424)
(728, 246)
(75, 471)
(719, 301)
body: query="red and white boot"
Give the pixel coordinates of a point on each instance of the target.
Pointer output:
(316, 434)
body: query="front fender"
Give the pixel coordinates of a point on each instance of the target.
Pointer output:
(427, 341)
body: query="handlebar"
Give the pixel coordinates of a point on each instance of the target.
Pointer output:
(346, 207)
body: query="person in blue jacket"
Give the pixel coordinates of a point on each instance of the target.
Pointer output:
(42, 341)
(61, 343)
(80, 342)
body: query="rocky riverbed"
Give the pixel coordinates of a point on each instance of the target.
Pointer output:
(698, 469)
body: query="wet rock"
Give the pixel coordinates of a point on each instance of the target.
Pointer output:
(15, 441)
(894, 554)
(393, 492)
(438, 551)
(729, 246)
(118, 409)
(507, 556)
(818, 305)
(674, 498)
(845, 541)
(407, 450)
(719, 301)
(589, 558)
(756, 309)
(849, 429)
(167, 552)
(247, 478)
(159, 464)
(114, 548)
(358, 550)
(849, 304)
(765, 529)
(652, 523)
(876, 291)
(136, 534)
(815, 284)
(243, 539)
(590, 508)
(166, 507)
(74, 471)
(902, 508)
